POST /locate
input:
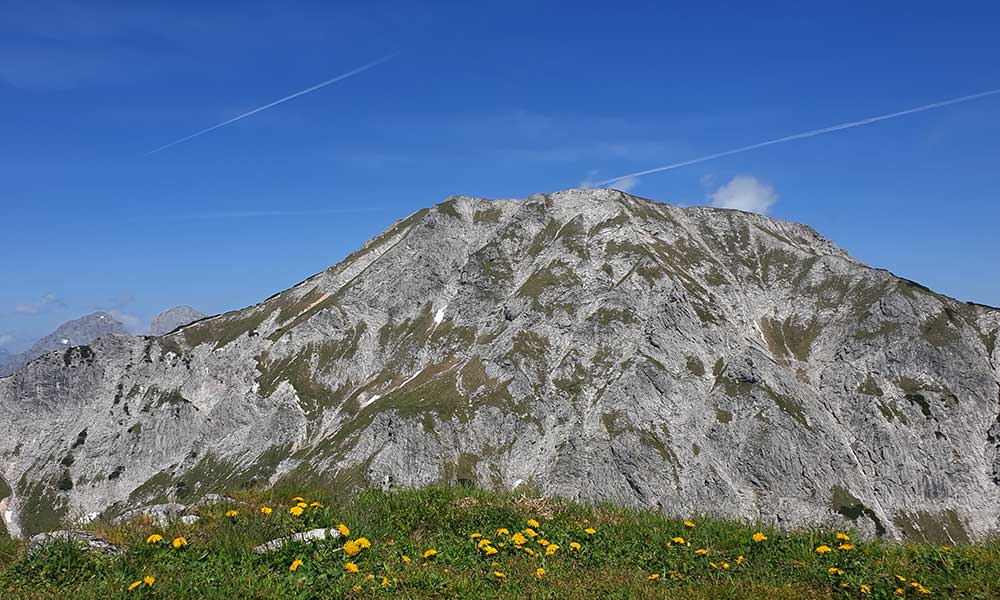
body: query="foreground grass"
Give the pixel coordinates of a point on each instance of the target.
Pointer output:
(621, 554)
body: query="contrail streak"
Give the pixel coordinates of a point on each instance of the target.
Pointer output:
(277, 102)
(804, 134)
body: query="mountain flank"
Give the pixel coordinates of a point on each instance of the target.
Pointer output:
(591, 343)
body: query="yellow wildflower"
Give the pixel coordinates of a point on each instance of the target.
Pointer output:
(315, 505)
(539, 573)
(590, 531)
(759, 537)
(533, 524)
(543, 542)
(946, 548)
(551, 549)
(179, 542)
(476, 535)
(298, 499)
(499, 575)
(135, 584)
(370, 577)
(503, 531)
(574, 546)
(429, 553)
(900, 592)
(385, 582)
(900, 579)
(265, 510)
(530, 532)
(678, 540)
(739, 559)
(363, 542)
(843, 537)
(296, 511)
(344, 531)
(149, 580)
(823, 549)
(701, 551)
(295, 565)
(518, 539)
(356, 587)
(351, 567)
(501, 545)
(846, 547)
(351, 548)
(653, 577)
(689, 524)
(302, 505)
(154, 539)
(713, 565)
(865, 588)
(923, 590)
(834, 571)
(483, 542)
(406, 559)
(490, 550)
(725, 566)
(232, 513)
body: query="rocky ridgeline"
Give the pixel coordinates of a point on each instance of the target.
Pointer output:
(590, 343)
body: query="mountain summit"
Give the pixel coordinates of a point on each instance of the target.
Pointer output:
(596, 345)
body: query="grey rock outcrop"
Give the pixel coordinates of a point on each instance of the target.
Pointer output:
(86, 539)
(599, 345)
(313, 535)
(172, 318)
(77, 332)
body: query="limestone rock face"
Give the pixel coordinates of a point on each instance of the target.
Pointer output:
(597, 345)
(71, 333)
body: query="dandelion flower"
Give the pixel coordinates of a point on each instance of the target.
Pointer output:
(739, 559)
(843, 537)
(551, 549)
(701, 551)
(298, 499)
(539, 573)
(725, 566)
(363, 542)
(344, 531)
(370, 577)
(134, 584)
(518, 539)
(475, 535)
(302, 505)
(689, 524)
(530, 532)
(900, 592)
(351, 567)
(406, 559)
(653, 577)
(503, 531)
(490, 550)
(533, 524)
(678, 540)
(265, 510)
(865, 588)
(149, 580)
(356, 587)
(295, 565)
(846, 547)
(900, 578)
(759, 537)
(315, 505)
(823, 549)
(296, 511)
(590, 531)
(483, 542)
(385, 582)
(351, 548)
(543, 542)
(499, 574)
(429, 553)
(179, 542)
(574, 545)
(946, 548)
(232, 513)
(834, 571)
(154, 539)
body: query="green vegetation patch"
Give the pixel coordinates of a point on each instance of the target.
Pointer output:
(942, 329)
(845, 504)
(938, 528)
(789, 337)
(489, 215)
(226, 328)
(695, 366)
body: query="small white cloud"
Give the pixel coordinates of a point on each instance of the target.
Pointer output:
(626, 184)
(44, 304)
(745, 192)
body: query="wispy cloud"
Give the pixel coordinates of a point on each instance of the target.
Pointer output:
(46, 303)
(745, 192)
(806, 134)
(310, 89)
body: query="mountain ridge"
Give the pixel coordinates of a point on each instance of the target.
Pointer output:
(603, 346)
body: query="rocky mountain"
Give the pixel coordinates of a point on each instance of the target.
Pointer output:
(589, 343)
(172, 318)
(71, 333)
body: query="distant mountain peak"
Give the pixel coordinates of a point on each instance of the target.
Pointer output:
(172, 318)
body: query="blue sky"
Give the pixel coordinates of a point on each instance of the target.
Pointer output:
(485, 99)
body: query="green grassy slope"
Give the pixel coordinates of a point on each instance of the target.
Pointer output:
(621, 554)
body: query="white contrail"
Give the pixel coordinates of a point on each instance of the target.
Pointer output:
(804, 134)
(277, 102)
